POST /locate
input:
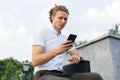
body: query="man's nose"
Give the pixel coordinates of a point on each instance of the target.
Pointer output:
(63, 20)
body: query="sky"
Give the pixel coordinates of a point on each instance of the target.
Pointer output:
(20, 20)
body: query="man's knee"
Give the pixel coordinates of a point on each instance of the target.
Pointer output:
(52, 77)
(86, 76)
(96, 76)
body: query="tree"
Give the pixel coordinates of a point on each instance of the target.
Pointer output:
(2, 68)
(114, 30)
(31, 71)
(9, 72)
(10, 69)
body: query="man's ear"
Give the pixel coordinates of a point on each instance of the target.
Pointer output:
(52, 17)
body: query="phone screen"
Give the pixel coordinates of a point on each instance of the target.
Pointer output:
(72, 37)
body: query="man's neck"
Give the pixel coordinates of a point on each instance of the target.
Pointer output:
(57, 30)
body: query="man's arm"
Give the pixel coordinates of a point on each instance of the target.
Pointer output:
(39, 57)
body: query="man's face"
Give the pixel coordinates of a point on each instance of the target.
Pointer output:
(60, 20)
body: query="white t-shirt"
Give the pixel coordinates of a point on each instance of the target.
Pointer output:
(49, 39)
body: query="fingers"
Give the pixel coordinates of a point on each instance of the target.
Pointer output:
(68, 43)
(74, 59)
(82, 58)
(64, 47)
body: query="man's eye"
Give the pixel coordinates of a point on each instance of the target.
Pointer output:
(65, 18)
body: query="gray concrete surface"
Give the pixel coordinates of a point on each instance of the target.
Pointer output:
(104, 56)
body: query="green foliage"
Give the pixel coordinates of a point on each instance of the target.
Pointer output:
(2, 68)
(31, 71)
(11, 68)
(114, 30)
(9, 72)
(80, 42)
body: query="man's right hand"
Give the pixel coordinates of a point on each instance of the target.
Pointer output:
(65, 46)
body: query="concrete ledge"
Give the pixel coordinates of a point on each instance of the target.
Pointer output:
(104, 55)
(99, 39)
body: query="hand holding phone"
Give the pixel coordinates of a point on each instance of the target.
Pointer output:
(72, 37)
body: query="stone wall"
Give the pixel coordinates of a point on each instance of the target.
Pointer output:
(104, 56)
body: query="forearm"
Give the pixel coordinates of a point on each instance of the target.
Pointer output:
(42, 58)
(39, 58)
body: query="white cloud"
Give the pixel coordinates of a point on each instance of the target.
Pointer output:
(10, 18)
(94, 34)
(94, 14)
(21, 31)
(36, 1)
(102, 20)
(111, 13)
(44, 18)
(4, 33)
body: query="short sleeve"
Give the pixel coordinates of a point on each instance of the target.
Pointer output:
(39, 39)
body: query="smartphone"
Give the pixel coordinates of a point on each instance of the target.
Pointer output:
(72, 37)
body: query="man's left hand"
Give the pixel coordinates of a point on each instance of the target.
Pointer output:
(75, 58)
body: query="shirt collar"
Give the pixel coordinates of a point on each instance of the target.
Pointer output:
(52, 29)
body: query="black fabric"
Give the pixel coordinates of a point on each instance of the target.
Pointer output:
(81, 67)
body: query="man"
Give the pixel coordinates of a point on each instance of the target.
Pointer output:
(50, 47)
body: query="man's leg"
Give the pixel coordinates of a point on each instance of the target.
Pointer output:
(52, 77)
(39, 76)
(86, 76)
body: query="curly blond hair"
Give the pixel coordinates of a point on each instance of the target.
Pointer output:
(53, 11)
